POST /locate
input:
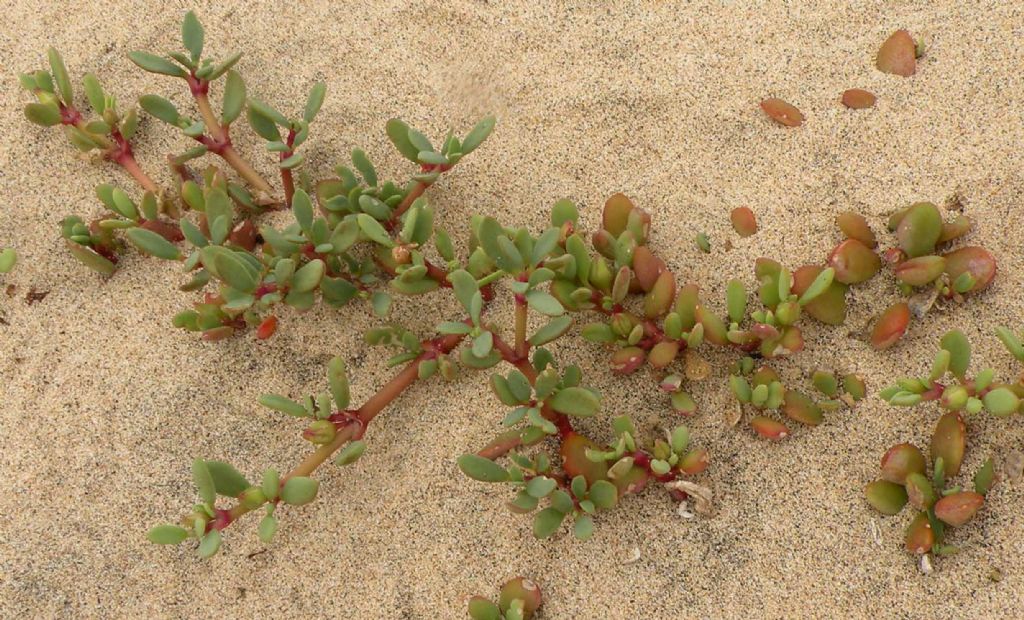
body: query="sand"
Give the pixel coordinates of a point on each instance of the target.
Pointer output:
(104, 405)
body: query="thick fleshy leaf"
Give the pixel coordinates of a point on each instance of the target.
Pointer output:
(890, 326)
(799, 407)
(547, 522)
(167, 534)
(854, 262)
(575, 462)
(782, 112)
(44, 114)
(959, 508)
(398, 133)
(659, 300)
(482, 469)
(192, 35)
(156, 64)
(628, 359)
(974, 260)
(647, 267)
(949, 442)
(919, 229)
(616, 214)
(575, 401)
(769, 428)
(520, 589)
(743, 221)
(920, 271)
(234, 97)
(919, 537)
(91, 259)
(663, 354)
(482, 609)
(920, 491)
(886, 497)
(828, 307)
(299, 490)
(477, 135)
(959, 348)
(855, 226)
(858, 99)
(900, 461)
(153, 244)
(226, 479)
(898, 54)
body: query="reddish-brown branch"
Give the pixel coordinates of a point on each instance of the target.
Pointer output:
(365, 414)
(286, 173)
(219, 140)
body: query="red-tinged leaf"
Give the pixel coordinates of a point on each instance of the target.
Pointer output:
(694, 462)
(955, 229)
(919, 229)
(830, 306)
(663, 354)
(855, 226)
(769, 428)
(266, 328)
(959, 508)
(920, 271)
(627, 360)
(616, 214)
(900, 461)
(854, 262)
(524, 590)
(898, 55)
(575, 462)
(244, 235)
(743, 221)
(171, 232)
(659, 300)
(782, 112)
(890, 326)
(858, 99)
(886, 497)
(799, 407)
(974, 260)
(919, 536)
(949, 441)
(647, 267)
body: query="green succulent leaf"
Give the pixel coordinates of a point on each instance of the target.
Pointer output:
(210, 544)
(160, 108)
(44, 114)
(314, 102)
(167, 534)
(60, 75)
(299, 490)
(547, 522)
(153, 244)
(234, 98)
(398, 133)
(575, 401)
(227, 480)
(156, 64)
(192, 35)
(477, 135)
(482, 469)
(204, 482)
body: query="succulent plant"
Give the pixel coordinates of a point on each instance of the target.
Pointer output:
(923, 273)
(519, 599)
(941, 504)
(761, 389)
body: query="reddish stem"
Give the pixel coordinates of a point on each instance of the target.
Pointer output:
(286, 173)
(364, 415)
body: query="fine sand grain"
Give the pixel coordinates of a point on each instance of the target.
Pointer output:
(104, 405)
